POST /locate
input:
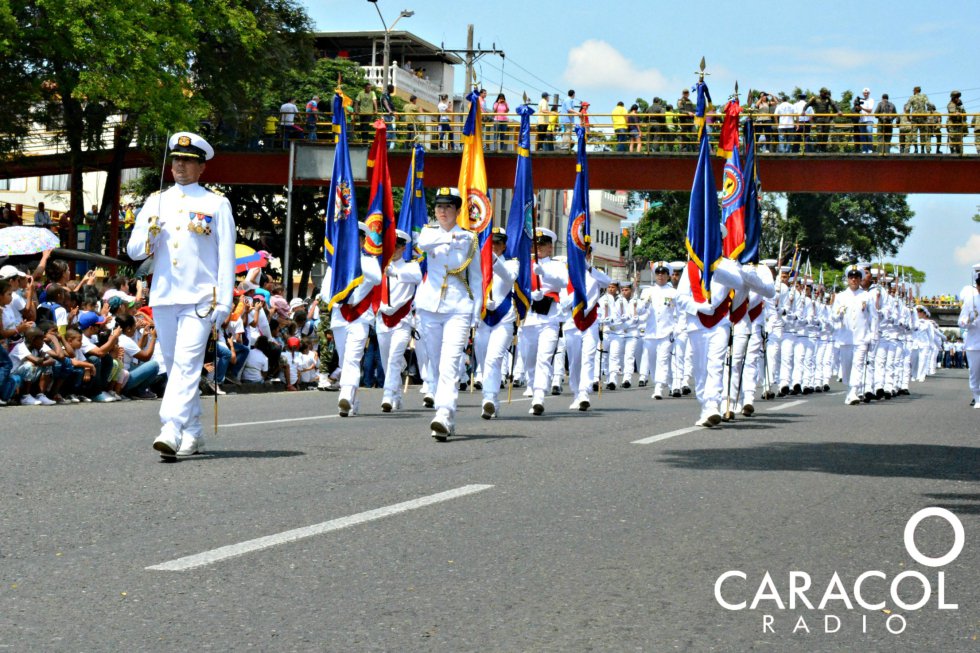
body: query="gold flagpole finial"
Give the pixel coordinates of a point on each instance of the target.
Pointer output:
(700, 72)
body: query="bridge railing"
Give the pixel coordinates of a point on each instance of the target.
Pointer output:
(639, 134)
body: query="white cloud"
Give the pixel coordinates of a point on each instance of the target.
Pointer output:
(596, 64)
(969, 252)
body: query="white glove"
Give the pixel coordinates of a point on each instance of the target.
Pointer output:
(537, 295)
(538, 269)
(491, 305)
(220, 314)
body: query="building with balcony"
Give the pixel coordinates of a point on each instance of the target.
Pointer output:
(416, 67)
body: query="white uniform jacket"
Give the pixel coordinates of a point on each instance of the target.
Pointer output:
(187, 265)
(659, 311)
(446, 251)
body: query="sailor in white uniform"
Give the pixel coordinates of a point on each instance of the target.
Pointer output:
(540, 334)
(496, 330)
(853, 314)
(969, 321)
(190, 232)
(658, 310)
(448, 303)
(394, 321)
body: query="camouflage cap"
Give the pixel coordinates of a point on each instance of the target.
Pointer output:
(955, 94)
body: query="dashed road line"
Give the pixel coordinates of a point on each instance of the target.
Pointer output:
(789, 405)
(670, 434)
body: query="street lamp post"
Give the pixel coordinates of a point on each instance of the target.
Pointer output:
(405, 13)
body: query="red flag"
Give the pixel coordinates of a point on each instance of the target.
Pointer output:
(381, 219)
(728, 138)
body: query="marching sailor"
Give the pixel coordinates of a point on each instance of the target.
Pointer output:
(394, 321)
(540, 334)
(496, 330)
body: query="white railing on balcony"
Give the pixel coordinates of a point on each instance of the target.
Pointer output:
(615, 203)
(405, 81)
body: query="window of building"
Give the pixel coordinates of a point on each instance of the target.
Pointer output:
(55, 183)
(13, 185)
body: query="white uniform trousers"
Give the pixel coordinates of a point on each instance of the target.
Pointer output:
(680, 371)
(425, 369)
(540, 341)
(852, 361)
(558, 364)
(658, 355)
(645, 370)
(615, 346)
(885, 365)
(825, 352)
(630, 345)
(580, 349)
(923, 365)
(491, 349)
(869, 375)
(774, 340)
(786, 347)
(183, 338)
(445, 335)
(393, 344)
(746, 355)
(803, 361)
(905, 369)
(708, 353)
(350, 340)
(973, 360)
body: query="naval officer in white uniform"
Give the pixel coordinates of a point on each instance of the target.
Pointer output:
(190, 232)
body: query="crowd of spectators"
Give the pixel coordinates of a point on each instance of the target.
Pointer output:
(799, 122)
(92, 339)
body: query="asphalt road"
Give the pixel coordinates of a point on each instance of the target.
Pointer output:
(558, 533)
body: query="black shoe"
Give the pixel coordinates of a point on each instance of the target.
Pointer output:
(675, 393)
(888, 396)
(783, 391)
(463, 385)
(595, 386)
(868, 396)
(880, 393)
(866, 399)
(642, 383)
(686, 390)
(610, 386)
(819, 388)
(826, 387)
(904, 391)
(477, 385)
(796, 390)
(808, 391)
(627, 384)
(556, 389)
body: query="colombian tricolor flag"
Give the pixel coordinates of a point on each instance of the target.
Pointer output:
(477, 214)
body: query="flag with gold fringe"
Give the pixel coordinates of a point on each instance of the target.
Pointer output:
(520, 220)
(414, 215)
(341, 238)
(477, 214)
(703, 219)
(579, 238)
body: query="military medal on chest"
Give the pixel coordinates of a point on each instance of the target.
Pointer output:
(200, 223)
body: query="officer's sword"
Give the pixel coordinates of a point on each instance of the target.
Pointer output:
(214, 335)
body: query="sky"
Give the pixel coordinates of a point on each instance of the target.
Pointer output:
(612, 51)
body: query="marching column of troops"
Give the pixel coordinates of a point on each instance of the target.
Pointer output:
(767, 331)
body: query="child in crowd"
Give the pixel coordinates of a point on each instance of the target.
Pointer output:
(33, 366)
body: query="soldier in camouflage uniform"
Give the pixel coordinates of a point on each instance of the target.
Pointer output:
(823, 108)
(934, 127)
(328, 350)
(904, 134)
(956, 123)
(658, 125)
(685, 121)
(918, 104)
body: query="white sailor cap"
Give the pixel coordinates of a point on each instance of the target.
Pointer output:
(448, 195)
(191, 145)
(660, 266)
(401, 235)
(920, 307)
(542, 232)
(863, 265)
(854, 269)
(769, 262)
(875, 272)
(677, 266)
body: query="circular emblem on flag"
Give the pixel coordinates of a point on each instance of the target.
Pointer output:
(732, 186)
(341, 203)
(372, 240)
(529, 219)
(478, 209)
(579, 237)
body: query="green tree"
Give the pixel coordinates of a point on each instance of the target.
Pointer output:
(662, 229)
(835, 228)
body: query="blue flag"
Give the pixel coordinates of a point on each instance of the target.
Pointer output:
(520, 221)
(703, 219)
(753, 208)
(579, 238)
(341, 240)
(413, 215)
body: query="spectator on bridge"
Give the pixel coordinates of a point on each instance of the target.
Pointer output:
(544, 140)
(411, 113)
(388, 109)
(685, 121)
(885, 113)
(633, 126)
(824, 109)
(619, 126)
(866, 121)
(445, 124)
(500, 122)
(786, 124)
(804, 118)
(6, 216)
(566, 118)
(762, 115)
(657, 112)
(916, 108)
(366, 106)
(287, 120)
(312, 117)
(955, 123)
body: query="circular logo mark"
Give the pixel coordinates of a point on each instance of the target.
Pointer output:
(372, 241)
(478, 209)
(579, 238)
(732, 186)
(959, 538)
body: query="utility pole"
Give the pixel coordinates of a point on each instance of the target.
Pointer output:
(472, 56)
(469, 57)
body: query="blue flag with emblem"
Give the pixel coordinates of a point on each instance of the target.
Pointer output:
(703, 219)
(520, 222)
(578, 239)
(413, 215)
(342, 240)
(753, 208)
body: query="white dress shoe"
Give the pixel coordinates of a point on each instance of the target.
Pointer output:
(190, 444)
(168, 442)
(489, 409)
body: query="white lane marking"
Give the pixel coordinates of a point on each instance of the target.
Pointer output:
(834, 394)
(664, 436)
(250, 546)
(789, 405)
(279, 421)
